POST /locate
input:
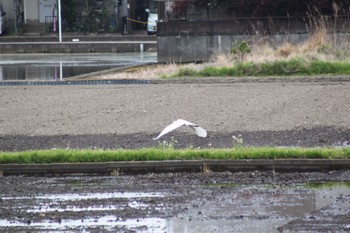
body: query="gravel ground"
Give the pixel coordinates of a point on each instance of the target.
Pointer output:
(129, 116)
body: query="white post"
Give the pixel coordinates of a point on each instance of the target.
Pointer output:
(59, 21)
(61, 70)
(141, 48)
(25, 10)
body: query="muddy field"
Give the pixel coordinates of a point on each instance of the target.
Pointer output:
(186, 202)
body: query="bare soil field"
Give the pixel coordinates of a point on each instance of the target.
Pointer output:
(129, 116)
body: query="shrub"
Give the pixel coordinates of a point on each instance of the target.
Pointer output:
(240, 50)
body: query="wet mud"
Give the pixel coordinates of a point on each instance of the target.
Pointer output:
(314, 137)
(178, 202)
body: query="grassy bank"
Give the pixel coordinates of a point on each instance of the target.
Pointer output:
(296, 67)
(319, 54)
(76, 156)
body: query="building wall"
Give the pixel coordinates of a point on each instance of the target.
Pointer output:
(8, 8)
(31, 11)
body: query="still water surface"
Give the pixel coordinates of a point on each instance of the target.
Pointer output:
(58, 66)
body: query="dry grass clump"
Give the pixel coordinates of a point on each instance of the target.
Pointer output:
(147, 72)
(318, 46)
(150, 72)
(262, 52)
(316, 41)
(286, 50)
(223, 59)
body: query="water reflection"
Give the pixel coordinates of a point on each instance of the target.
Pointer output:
(246, 208)
(257, 209)
(59, 66)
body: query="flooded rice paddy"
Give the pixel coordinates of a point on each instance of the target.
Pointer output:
(59, 66)
(225, 202)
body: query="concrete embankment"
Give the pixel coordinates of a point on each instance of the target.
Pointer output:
(78, 44)
(142, 167)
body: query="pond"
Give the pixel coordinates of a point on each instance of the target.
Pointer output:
(58, 66)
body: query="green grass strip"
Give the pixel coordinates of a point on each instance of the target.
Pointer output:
(296, 67)
(154, 154)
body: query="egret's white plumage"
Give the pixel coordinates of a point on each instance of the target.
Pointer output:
(176, 124)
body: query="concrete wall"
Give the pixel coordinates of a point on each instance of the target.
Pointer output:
(73, 47)
(187, 41)
(86, 44)
(202, 48)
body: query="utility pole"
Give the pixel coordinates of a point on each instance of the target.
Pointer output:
(59, 21)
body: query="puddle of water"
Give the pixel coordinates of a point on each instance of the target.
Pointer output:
(77, 196)
(58, 66)
(52, 203)
(52, 207)
(251, 210)
(108, 222)
(328, 185)
(243, 208)
(326, 192)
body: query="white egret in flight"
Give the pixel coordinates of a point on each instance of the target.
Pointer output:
(176, 124)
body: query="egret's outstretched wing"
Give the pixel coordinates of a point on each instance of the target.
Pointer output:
(176, 124)
(199, 130)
